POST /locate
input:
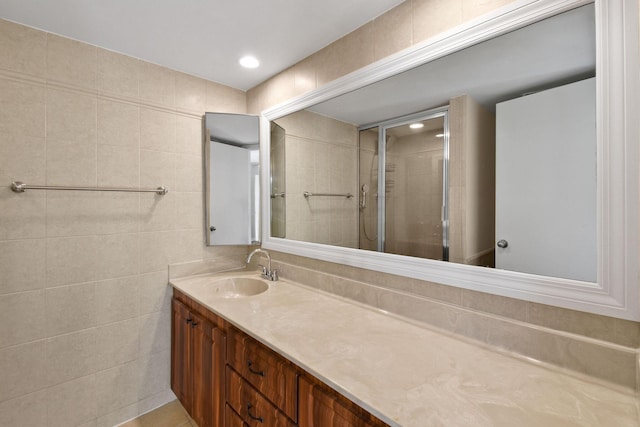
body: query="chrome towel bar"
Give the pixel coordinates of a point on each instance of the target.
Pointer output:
(308, 194)
(21, 187)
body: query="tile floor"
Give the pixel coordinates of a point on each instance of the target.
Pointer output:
(170, 415)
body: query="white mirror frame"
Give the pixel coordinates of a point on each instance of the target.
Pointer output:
(616, 292)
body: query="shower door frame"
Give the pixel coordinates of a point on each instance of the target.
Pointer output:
(382, 160)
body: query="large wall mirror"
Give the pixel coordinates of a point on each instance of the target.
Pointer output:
(232, 179)
(498, 157)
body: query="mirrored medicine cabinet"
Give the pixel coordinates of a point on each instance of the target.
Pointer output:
(232, 179)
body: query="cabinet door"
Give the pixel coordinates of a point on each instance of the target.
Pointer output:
(208, 367)
(320, 408)
(181, 354)
(197, 366)
(202, 373)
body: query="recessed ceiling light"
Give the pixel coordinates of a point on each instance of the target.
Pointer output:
(416, 125)
(249, 62)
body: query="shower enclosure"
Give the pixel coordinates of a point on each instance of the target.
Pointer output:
(403, 188)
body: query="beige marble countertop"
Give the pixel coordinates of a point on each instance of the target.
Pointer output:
(408, 375)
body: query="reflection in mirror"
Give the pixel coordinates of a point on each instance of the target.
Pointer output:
(518, 137)
(278, 181)
(546, 182)
(321, 158)
(411, 216)
(232, 179)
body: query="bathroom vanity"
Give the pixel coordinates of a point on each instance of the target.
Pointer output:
(224, 377)
(291, 355)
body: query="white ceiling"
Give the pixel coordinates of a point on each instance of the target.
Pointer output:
(203, 37)
(551, 52)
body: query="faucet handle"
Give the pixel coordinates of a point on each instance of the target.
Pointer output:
(274, 275)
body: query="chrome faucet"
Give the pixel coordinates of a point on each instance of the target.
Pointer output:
(267, 273)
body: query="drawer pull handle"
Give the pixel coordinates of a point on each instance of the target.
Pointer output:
(189, 320)
(253, 371)
(252, 416)
(194, 324)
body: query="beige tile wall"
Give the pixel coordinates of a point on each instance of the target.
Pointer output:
(84, 302)
(277, 158)
(471, 201)
(320, 157)
(583, 342)
(408, 23)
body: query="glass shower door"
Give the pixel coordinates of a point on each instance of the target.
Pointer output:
(415, 189)
(409, 216)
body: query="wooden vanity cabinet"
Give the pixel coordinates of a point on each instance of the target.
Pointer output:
(197, 365)
(223, 377)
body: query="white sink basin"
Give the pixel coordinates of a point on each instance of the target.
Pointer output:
(237, 287)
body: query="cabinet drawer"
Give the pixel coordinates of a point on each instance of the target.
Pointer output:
(265, 370)
(231, 419)
(254, 409)
(321, 407)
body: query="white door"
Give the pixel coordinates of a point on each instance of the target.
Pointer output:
(230, 208)
(546, 183)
